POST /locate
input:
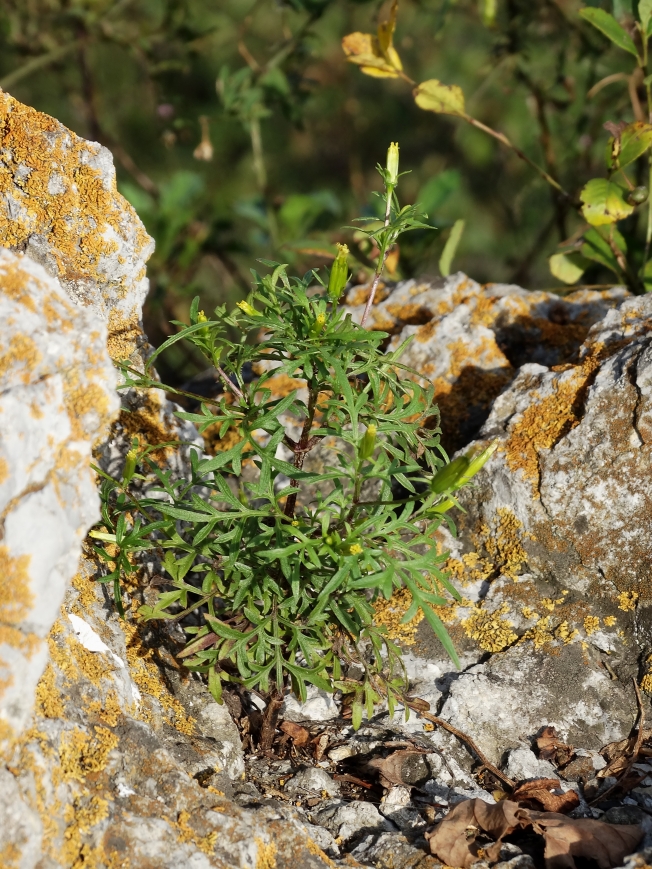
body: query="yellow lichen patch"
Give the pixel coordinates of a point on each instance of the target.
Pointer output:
(85, 589)
(490, 630)
(78, 219)
(591, 625)
(16, 601)
(627, 600)
(504, 544)
(388, 614)
(81, 399)
(10, 856)
(610, 621)
(187, 835)
(547, 420)
(469, 568)
(360, 294)
(4, 470)
(148, 423)
(81, 753)
(282, 385)
(214, 444)
(265, 855)
(125, 334)
(49, 702)
(313, 848)
(20, 352)
(107, 710)
(80, 818)
(146, 675)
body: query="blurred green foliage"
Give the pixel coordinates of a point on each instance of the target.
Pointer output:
(240, 131)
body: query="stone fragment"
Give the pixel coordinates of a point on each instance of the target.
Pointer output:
(57, 399)
(312, 780)
(522, 764)
(350, 820)
(320, 706)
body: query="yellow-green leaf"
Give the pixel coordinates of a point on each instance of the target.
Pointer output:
(634, 140)
(603, 202)
(433, 96)
(364, 50)
(446, 258)
(645, 15)
(567, 267)
(607, 24)
(386, 36)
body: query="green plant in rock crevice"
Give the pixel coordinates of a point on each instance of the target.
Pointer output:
(286, 572)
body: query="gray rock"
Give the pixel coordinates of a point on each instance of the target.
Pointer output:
(350, 820)
(320, 706)
(312, 780)
(57, 398)
(522, 763)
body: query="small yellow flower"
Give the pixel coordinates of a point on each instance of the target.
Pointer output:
(248, 309)
(355, 549)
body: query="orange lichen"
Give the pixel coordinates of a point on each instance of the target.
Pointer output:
(148, 423)
(4, 470)
(265, 855)
(45, 173)
(187, 834)
(490, 630)
(125, 335)
(546, 421)
(389, 613)
(49, 702)
(504, 543)
(21, 352)
(146, 675)
(16, 601)
(81, 753)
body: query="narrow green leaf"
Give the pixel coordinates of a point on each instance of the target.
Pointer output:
(608, 25)
(453, 240)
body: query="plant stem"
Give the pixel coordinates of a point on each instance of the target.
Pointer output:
(229, 383)
(382, 257)
(501, 137)
(37, 63)
(261, 177)
(301, 449)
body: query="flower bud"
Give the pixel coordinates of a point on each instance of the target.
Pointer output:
(638, 195)
(318, 326)
(339, 273)
(368, 443)
(446, 479)
(248, 309)
(392, 164)
(131, 461)
(477, 463)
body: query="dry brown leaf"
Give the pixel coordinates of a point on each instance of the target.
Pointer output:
(537, 794)
(619, 755)
(299, 735)
(375, 55)
(552, 748)
(389, 768)
(459, 838)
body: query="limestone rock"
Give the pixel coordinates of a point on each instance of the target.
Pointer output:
(470, 340)
(57, 398)
(59, 204)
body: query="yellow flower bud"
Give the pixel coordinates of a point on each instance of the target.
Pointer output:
(392, 164)
(201, 317)
(368, 443)
(339, 273)
(318, 326)
(248, 309)
(131, 460)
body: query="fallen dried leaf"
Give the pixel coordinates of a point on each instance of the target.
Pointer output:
(320, 745)
(462, 835)
(538, 795)
(552, 748)
(353, 779)
(299, 735)
(390, 769)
